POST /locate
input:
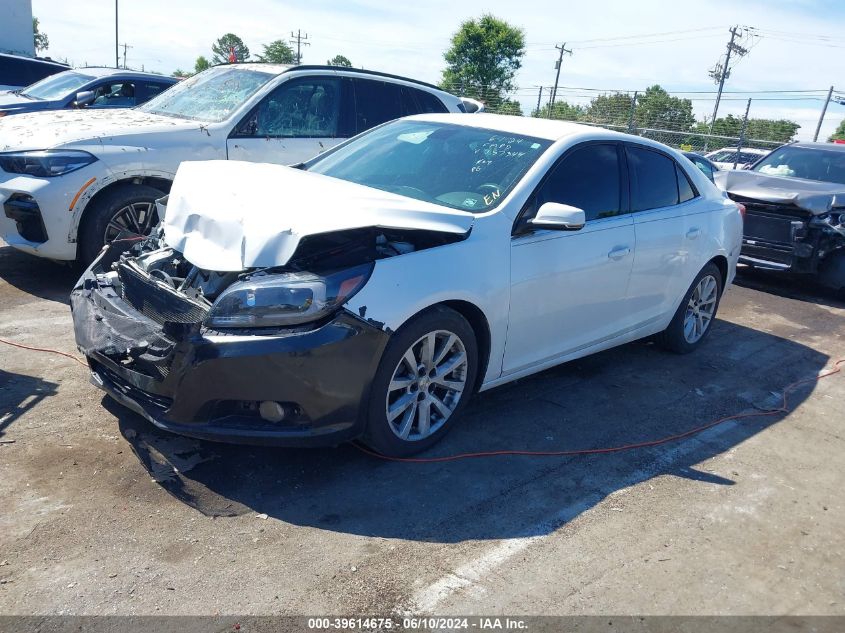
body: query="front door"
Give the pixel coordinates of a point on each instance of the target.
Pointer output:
(569, 288)
(302, 118)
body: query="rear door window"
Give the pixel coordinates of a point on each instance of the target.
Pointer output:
(376, 102)
(654, 180)
(149, 89)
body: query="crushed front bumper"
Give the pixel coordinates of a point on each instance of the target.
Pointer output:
(209, 385)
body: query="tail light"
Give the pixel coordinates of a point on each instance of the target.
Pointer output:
(741, 208)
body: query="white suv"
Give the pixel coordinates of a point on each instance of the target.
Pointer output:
(71, 181)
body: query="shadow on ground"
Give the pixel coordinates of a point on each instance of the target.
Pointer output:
(800, 288)
(18, 394)
(631, 394)
(37, 276)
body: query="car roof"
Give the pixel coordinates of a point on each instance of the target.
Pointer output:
(283, 68)
(549, 129)
(99, 71)
(835, 147)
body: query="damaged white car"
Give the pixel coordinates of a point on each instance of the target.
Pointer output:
(371, 292)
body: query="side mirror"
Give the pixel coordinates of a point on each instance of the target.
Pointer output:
(558, 217)
(84, 98)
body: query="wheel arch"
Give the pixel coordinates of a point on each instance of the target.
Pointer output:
(480, 326)
(160, 182)
(721, 262)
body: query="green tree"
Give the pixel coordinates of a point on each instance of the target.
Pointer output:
(656, 109)
(201, 64)
(222, 47)
(39, 39)
(610, 109)
(180, 74)
(506, 106)
(483, 59)
(776, 130)
(839, 134)
(561, 110)
(339, 60)
(277, 52)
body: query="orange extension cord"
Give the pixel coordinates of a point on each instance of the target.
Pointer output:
(784, 408)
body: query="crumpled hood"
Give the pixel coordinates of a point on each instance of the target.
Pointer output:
(45, 130)
(811, 195)
(232, 215)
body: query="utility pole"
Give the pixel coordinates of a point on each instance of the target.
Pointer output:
(125, 46)
(539, 98)
(824, 111)
(558, 64)
(631, 115)
(721, 72)
(300, 42)
(116, 54)
(742, 133)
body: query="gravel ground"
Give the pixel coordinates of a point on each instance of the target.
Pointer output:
(104, 514)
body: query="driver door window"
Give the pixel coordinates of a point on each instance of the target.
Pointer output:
(115, 94)
(297, 109)
(297, 121)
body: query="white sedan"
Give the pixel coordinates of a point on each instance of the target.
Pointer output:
(371, 292)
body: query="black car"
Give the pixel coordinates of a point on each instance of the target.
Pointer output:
(795, 211)
(704, 164)
(85, 87)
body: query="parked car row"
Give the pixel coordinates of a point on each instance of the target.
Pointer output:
(73, 180)
(409, 255)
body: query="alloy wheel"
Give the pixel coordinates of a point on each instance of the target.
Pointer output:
(700, 309)
(137, 218)
(426, 385)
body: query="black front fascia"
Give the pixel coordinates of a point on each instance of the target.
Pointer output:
(204, 384)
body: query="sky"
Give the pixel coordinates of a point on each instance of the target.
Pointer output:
(617, 44)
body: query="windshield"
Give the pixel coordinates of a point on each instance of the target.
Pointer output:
(801, 162)
(56, 86)
(210, 96)
(456, 166)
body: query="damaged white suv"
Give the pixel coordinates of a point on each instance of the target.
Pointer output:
(71, 181)
(371, 292)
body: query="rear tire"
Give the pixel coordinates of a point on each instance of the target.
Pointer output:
(425, 378)
(694, 318)
(129, 208)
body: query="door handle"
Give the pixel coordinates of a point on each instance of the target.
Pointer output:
(619, 253)
(693, 233)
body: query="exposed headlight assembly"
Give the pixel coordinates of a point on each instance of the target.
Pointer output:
(45, 163)
(285, 299)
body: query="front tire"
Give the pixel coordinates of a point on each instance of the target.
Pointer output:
(694, 317)
(124, 209)
(425, 378)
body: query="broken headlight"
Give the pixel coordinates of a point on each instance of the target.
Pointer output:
(279, 300)
(47, 163)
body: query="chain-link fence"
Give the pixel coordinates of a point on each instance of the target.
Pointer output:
(654, 113)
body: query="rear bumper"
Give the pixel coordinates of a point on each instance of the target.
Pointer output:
(209, 385)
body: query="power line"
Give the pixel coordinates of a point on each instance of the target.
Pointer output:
(558, 64)
(300, 42)
(721, 72)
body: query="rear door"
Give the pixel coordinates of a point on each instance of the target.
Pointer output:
(569, 288)
(301, 118)
(669, 220)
